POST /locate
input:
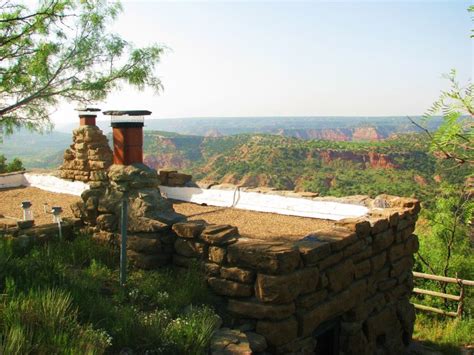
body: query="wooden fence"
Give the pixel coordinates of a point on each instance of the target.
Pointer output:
(442, 279)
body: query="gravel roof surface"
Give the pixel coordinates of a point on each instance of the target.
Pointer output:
(10, 200)
(254, 224)
(250, 223)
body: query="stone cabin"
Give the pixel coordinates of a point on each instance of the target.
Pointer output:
(341, 289)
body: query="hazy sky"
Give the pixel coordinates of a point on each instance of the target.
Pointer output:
(309, 58)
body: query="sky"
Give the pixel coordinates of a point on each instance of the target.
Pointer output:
(311, 58)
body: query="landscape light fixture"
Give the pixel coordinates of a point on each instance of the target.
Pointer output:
(27, 212)
(56, 212)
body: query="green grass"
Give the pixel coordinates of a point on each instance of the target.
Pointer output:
(446, 335)
(64, 297)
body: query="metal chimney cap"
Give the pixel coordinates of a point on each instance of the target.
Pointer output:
(88, 109)
(127, 113)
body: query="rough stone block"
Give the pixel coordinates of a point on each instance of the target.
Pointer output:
(378, 261)
(191, 229)
(387, 284)
(148, 262)
(379, 323)
(362, 269)
(257, 342)
(382, 241)
(337, 237)
(220, 234)
(230, 288)
(402, 265)
(311, 299)
(190, 248)
(331, 260)
(313, 251)
(341, 276)
(255, 309)
(212, 269)
(285, 288)
(238, 274)
(396, 252)
(144, 243)
(379, 224)
(107, 222)
(217, 254)
(267, 257)
(227, 341)
(278, 332)
(355, 248)
(358, 225)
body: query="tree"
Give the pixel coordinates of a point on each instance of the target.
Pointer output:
(454, 138)
(15, 165)
(63, 50)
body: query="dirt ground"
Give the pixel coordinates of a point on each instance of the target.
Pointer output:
(251, 224)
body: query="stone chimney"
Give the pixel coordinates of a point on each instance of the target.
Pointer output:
(150, 216)
(89, 157)
(128, 136)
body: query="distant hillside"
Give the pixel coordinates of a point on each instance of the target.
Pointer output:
(331, 128)
(399, 165)
(36, 150)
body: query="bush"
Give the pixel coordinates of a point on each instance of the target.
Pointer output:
(164, 311)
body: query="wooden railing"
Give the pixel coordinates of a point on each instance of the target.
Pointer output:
(442, 279)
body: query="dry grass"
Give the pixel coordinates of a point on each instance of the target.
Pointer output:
(10, 200)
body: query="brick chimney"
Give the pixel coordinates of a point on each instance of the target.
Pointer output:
(87, 116)
(128, 135)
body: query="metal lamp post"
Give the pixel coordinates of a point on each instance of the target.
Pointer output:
(56, 212)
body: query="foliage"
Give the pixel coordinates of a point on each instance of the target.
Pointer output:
(15, 165)
(448, 225)
(444, 335)
(326, 167)
(454, 139)
(62, 49)
(44, 321)
(165, 312)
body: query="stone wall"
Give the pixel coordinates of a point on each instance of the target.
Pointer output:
(88, 158)
(170, 177)
(24, 234)
(357, 275)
